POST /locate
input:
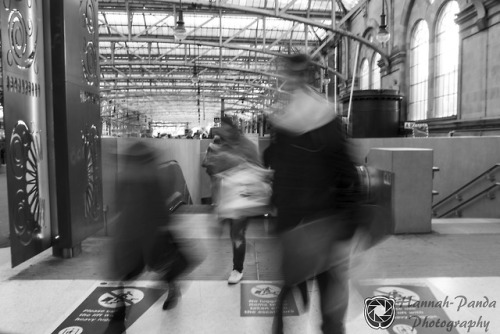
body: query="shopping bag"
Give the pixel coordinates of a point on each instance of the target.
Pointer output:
(244, 191)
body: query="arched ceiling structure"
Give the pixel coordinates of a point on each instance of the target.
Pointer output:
(232, 47)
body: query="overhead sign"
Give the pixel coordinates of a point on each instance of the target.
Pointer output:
(413, 125)
(93, 315)
(259, 300)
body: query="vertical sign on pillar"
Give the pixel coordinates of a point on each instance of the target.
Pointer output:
(74, 29)
(25, 128)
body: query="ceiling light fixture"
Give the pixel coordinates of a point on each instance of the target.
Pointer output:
(180, 32)
(383, 35)
(195, 78)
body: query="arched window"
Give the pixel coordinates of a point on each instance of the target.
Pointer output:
(364, 76)
(375, 71)
(446, 62)
(419, 72)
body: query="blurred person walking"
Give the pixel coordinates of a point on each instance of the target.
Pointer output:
(141, 240)
(314, 190)
(231, 160)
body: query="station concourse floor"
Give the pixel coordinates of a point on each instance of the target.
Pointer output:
(459, 259)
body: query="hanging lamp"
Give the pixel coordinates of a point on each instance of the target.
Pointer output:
(383, 35)
(180, 32)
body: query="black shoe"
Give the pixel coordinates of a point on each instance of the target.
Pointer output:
(305, 295)
(172, 298)
(117, 322)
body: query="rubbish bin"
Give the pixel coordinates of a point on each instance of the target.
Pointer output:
(374, 113)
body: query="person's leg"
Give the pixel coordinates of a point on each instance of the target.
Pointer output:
(238, 228)
(277, 327)
(174, 293)
(304, 293)
(178, 264)
(119, 316)
(334, 297)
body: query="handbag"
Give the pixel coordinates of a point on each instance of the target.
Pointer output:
(313, 247)
(244, 191)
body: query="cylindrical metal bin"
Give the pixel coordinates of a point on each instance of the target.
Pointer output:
(374, 113)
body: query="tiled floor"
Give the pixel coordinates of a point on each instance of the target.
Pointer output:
(457, 259)
(457, 263)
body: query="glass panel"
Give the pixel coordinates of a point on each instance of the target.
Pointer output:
(446, 60)
(364, 75)
(375, 71)
(419, 72)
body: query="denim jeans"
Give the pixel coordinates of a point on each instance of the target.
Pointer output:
(238, 229)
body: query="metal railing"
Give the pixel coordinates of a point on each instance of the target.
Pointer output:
(457, 193)
(464, 203)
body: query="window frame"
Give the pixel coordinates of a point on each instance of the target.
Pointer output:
(364, 74)
(376, 71)
(417, 86)
(439, 98)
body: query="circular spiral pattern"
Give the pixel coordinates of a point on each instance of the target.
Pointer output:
(23, 161)
(21, 213)
(89, 63)
(22, 39)
(19, 144)
(88, 16)
(89, 53)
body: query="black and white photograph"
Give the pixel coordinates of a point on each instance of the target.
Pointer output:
(249, 166)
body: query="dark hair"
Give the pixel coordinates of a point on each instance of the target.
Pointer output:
(298, 62)
(228, 121)
(299, 66)
(233, 133)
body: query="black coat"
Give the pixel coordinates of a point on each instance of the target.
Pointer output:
(314, 174)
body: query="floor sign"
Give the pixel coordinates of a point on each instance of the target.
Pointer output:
(93, 315)
(259, 300)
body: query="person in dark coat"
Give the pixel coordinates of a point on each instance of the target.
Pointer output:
(141, 240)
(314, 175)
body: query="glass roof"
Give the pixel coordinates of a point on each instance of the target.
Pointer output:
(230, 52)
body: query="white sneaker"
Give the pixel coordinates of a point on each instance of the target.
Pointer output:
(235, 277)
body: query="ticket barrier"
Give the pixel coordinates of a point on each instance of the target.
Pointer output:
(376, 210)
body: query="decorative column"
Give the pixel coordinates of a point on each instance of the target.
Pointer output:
(77, 125)
(25, 128)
